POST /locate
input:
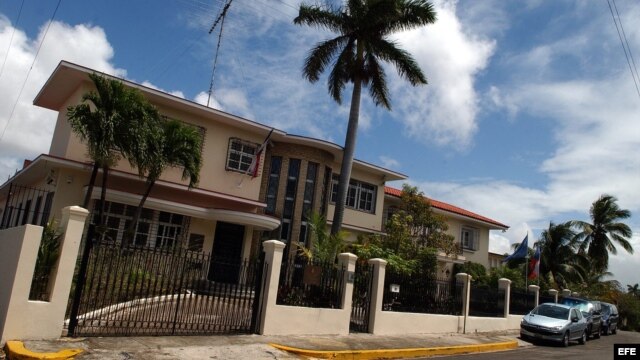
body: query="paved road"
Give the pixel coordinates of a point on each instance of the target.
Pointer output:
(597, 349)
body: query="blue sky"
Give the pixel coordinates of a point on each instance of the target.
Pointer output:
(530, 113)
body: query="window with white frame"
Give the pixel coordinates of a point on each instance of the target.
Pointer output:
(469, 238)
(360, 195)
(240, 155)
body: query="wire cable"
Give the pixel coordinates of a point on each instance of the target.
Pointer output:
(627, 52)
(35, 57)
(6, 55)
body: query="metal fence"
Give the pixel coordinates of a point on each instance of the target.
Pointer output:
(419, 294)
(522, 301)
(147, 291)
(361, 299)
(486, 301)
(39, 290)
(26, 205)
(546, 299)
(311, 284)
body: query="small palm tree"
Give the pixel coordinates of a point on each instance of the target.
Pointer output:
(634, 290)
(559, 260)
(170, 143)
(324, 247)
(107, 120)
(599, 237)
(363, 28)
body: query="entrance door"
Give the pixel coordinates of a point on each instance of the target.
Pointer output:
(227, 253)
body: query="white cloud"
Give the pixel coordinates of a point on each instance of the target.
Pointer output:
(28, 131)
(445, 111)
(389, 163)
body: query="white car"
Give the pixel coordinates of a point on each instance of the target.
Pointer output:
(554, 322)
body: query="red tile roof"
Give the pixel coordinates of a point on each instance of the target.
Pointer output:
(448, 207)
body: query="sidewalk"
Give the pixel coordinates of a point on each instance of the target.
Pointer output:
(256, 347)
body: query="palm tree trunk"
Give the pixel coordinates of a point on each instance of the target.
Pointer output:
(347, 157)
(103, 197)
(92, 182)
(129, 233)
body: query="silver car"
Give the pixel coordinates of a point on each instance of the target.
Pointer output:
(554, 322)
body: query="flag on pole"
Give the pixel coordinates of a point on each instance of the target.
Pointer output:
(255, 163)
(534, 265)
(521, 251)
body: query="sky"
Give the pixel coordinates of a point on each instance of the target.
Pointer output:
(531, 111)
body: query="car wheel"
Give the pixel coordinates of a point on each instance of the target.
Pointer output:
(565, 339)
(607, 330)
(614, 330)
(583, 338)
(596, 335)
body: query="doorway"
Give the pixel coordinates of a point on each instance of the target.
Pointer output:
(226, 255)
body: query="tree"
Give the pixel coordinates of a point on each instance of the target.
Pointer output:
(634, 290)
(559, 262)
(108, 121)
(170, 143)
(598, 238)
(363, 27)
(324, 247)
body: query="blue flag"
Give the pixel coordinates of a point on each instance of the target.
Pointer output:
(521, 251)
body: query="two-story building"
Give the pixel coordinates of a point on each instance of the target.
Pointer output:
(228, 212)
(469, 229)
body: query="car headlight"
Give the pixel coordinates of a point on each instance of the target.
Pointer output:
(556, 328)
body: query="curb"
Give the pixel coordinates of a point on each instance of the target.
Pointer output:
(399, 353)
(16, 351)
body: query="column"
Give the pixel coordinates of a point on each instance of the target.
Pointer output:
(566, 292)
(347, 261)
(273, 259)
(506, 285)
(377, 291)
(466, 290)
(554, 293)
(536, 290)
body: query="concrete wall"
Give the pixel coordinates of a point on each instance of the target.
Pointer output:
(21, 318)
(294, 320)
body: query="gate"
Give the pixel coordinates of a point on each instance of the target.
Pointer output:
(361, 300)
(147, 291)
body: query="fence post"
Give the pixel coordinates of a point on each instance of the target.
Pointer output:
(466, 290)
(273, 257)
(536, 294)
(506, 285)
(347, 261)
(566, 292)
(554, 293)
(377, 291)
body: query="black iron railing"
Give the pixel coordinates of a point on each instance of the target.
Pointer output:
(311, 284)
(522, 301)
(420, 294)
(26, 205)
(486, 301)
(39, 290)
(146, 291)
(546, 299)
(361, 299)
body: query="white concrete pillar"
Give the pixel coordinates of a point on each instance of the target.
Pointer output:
(554, 293)
(21, 318)
(273, 259)
(347, 261)
(505, 284)
(575, 294)
(535, 289)
(566, 292)
(377, 291)
(466, 295)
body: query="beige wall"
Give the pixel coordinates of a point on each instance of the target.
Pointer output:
(398, 323)
(20, 318)
(481, 255)
(213, 175)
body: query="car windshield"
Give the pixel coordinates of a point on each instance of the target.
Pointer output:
(581, 305)
(555, 312)
(606, 310)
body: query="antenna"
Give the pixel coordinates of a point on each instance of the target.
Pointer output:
(219, 19)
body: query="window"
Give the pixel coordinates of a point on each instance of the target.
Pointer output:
(289, 199)
(469, 238)
(196, 242)
(360, 195)
(307, 202)
(241, 154)
(272, 185)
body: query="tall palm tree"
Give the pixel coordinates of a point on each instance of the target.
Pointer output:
(363, 28)
(634, 290)
(559, 261)
(170, 143)
(599, 238)
(107, 121)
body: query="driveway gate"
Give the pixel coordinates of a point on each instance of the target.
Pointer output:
(361, 300)
(148, 291)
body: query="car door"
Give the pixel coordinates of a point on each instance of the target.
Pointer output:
(576, 327)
